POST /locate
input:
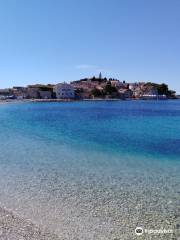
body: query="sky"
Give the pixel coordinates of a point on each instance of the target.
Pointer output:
(50, 41)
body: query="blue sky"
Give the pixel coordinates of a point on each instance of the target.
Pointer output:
(49, 41)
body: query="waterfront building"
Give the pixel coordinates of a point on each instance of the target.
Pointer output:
(45, 94)
(64, 91)
(33, 92)
(19, 92)
(153, 97)
(5, 92)
(125, 93)
(152, 94)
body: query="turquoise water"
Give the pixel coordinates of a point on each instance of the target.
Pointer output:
(91, 170)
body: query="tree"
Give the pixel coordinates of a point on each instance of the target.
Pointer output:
(109, 89)
(163, 89)
(96, 93)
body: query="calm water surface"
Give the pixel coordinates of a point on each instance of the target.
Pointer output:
(91, 170)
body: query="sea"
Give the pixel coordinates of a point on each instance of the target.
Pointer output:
(93, 170)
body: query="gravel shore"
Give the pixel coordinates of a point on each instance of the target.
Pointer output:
(15, 228)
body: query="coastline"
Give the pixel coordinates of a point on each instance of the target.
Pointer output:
(13, 227)
(13, 101)
(80, 100)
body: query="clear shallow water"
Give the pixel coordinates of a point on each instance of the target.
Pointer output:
(91, 170)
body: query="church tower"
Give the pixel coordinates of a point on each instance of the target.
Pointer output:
(100, 75)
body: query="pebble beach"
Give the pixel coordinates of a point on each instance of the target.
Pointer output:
(98, 177)
(12, 227)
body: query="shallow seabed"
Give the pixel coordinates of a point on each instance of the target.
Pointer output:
(92, 170)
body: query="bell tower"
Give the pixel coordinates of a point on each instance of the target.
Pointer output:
(100, 75)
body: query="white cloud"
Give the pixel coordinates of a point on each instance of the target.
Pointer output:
(93, 68)
(86, 67)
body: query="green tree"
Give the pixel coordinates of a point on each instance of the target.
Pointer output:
(163, 89)
(109, 89)
(96, 93)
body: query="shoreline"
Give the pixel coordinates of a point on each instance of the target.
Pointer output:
(81, 100)
(13, 227)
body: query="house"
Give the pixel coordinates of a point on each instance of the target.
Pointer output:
(152, 93)
(33, 92)
(125, 93)
(149, 93)
(20, 92)
(64, 91)
(5, 92)
(45, 94)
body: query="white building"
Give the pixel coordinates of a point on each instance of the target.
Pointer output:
(64, 91)
(153, 94)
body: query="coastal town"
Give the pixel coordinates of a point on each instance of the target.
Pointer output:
(89, 88)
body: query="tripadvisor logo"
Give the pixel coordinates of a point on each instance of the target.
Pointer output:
(139, 231)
